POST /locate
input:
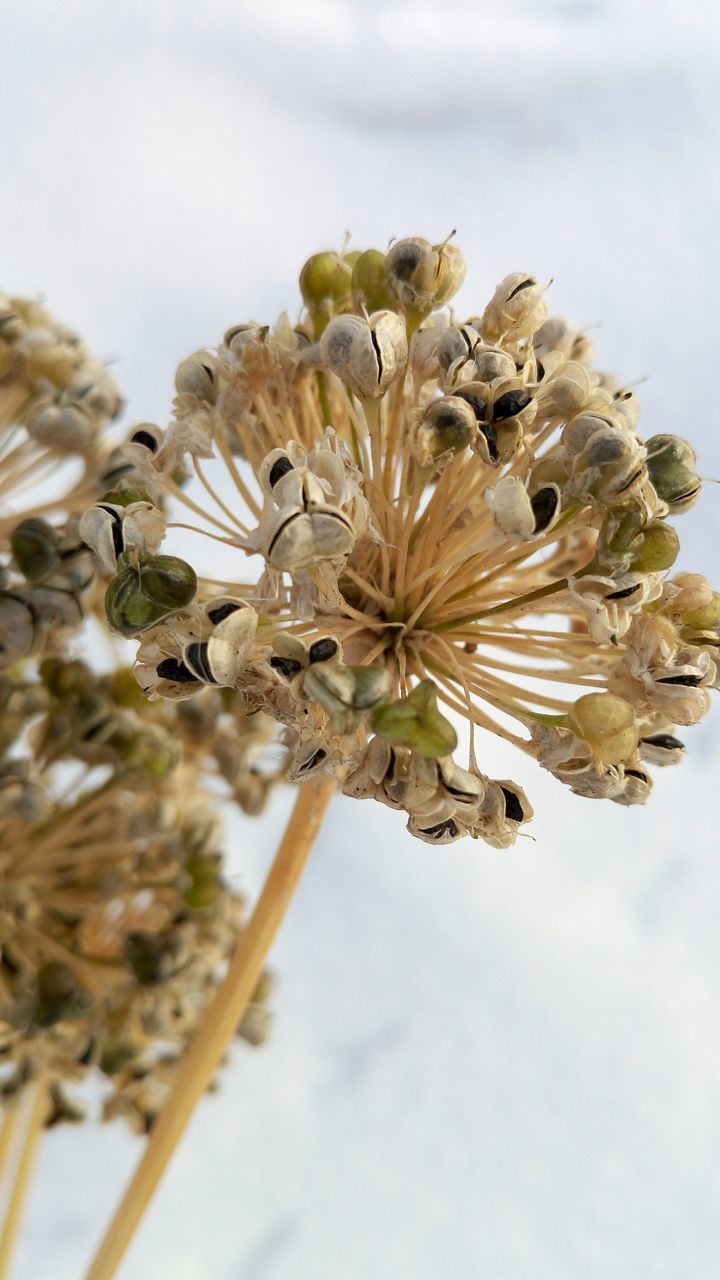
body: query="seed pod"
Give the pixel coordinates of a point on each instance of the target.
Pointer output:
(422, 275)
(607, 723)
(34, 544)
(661, 749)
(567, 392)
(221, 658)
(147, 435)
(516, 514)
(369, 287)
(326, 286)
(416, 723)
(655, 549)
(197, 376)
(671, 464)
(580, 430)
(490, 363)
(367, 355)
(101, 528)
(515, 310)
(445, 832)
(296, 539)
(636, 786)
(62, 424)
(371, 687)
(141, 596)
(18, 627)
(455, 349)
(448, 426)
(611, 467)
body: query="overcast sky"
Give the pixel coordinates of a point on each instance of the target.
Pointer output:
(501, 1065)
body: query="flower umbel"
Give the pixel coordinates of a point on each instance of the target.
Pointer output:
(451, 516)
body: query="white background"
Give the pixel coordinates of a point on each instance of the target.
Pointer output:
(484, 1065)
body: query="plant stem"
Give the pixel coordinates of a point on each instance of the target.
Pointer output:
(23, 1174)
(219, 1023)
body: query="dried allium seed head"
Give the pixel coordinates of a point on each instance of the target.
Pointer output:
(405, 576)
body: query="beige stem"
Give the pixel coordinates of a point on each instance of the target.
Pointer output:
(219, 1024)
(23, 1175)
(7, 1139)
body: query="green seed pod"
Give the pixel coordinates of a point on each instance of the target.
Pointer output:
(168, 581)
(206, 882)
(371, 686)
(139, 597)
(671, 463)
(607, 724)
(67, 679)
(656, 548)
(326, 286)
(447, 427)
(369, 287)
(415, 722)
(34, 545)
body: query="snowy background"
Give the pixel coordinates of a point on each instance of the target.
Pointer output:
(484, 1065)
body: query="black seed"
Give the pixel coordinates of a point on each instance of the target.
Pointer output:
(315, 759)
(490, 434)
(478, 406)
(279, 469)
(513, 807)
(540, 370)
(286, 666)
(173, 669)
(544, 504)
(624, 593)
(524, 284)
(691, 682)
(637, 773)
(322, 650)
(116, 528)
(220, 612)
(196, 657)
(665, 741)
(144, 437)
(446, 828)
(511, 403)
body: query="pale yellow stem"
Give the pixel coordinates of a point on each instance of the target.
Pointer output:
(23, 1175)
(219, 1024)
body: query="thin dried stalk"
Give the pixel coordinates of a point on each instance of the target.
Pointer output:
(220, 1023)
(23, 1176)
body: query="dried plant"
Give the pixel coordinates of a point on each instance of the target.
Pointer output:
(421, 518)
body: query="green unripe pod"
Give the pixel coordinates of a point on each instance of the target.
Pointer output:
(369, 287)
(671, 464)
(34, 545)
(656, 548)
(140, 596)
(326, 286)
(415, 722)
(607, 724)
